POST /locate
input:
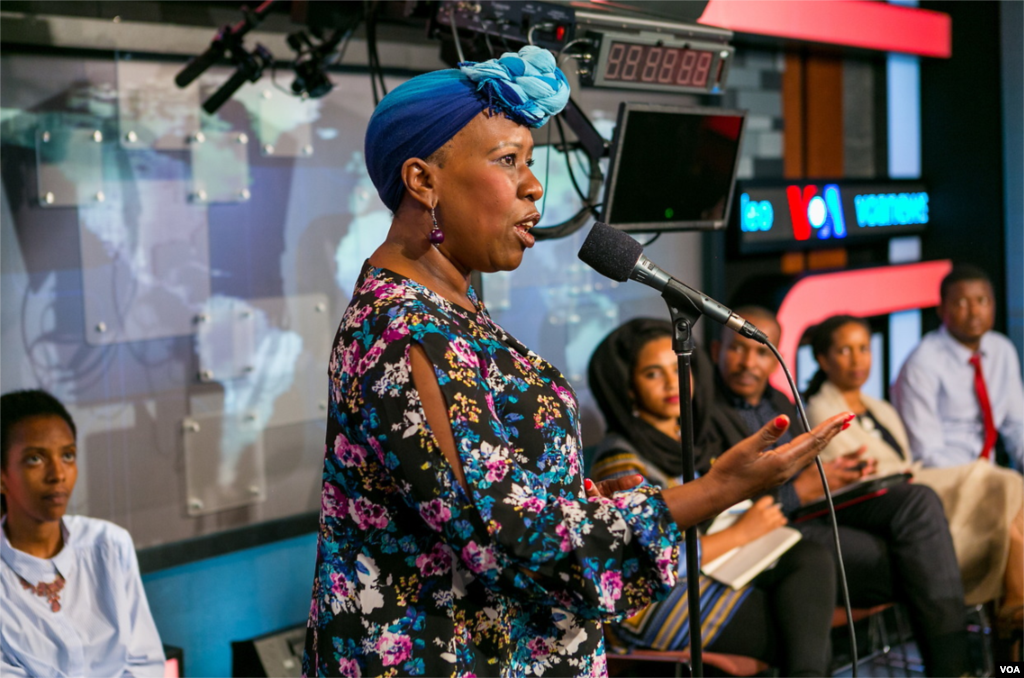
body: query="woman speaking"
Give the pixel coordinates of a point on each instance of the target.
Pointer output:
(456, 537)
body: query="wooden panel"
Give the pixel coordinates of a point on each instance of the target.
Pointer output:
(823, 110)
(792, 263)
(818, 259)
(793, 117)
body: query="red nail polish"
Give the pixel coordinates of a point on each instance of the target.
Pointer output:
(846, 425)
(588, 484)
(780, 421)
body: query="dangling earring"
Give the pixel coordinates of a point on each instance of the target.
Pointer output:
(436, 235)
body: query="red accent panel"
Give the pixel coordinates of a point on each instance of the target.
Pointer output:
(798, 210)
(853, 23)
(865, 293)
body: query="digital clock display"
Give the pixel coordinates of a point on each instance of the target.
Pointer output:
(658, 65)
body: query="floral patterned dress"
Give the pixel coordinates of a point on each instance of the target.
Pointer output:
(415, 576)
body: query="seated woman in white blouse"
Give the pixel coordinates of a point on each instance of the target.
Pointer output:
(73, 602)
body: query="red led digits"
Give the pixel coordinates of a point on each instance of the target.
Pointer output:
(657, 64)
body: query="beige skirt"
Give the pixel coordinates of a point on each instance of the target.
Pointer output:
(980, 500)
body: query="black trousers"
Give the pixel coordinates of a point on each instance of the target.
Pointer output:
(897, 547)
(785, 619)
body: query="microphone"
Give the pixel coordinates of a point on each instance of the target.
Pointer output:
(614, 254)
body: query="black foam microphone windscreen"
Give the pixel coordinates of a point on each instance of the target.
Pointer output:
(610, 252)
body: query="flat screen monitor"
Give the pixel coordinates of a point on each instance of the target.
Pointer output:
(672, 168)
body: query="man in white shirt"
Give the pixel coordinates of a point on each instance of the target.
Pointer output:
(961, 388)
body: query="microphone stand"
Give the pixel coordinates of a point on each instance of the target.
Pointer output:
(684, 316)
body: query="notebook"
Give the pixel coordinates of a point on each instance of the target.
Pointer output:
(740, 565)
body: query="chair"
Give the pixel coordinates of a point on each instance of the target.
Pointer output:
(735, 665)
(878, 635)
(620, 656)
(979, 629)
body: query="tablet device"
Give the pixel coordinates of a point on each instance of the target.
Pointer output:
(866, 488)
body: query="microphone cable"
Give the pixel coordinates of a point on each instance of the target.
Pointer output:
(831, 508)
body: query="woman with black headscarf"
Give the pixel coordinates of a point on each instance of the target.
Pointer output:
(783, 616)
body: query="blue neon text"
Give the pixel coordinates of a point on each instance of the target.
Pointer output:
(891, 209)
(755, 215)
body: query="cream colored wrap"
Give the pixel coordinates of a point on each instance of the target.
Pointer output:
(980, 499)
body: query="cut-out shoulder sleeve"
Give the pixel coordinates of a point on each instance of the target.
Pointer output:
(527, 512)
(417, 573)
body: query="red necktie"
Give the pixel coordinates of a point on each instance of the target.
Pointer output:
(986, 407)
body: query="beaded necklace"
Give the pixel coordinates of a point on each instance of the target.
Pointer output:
(50, 591)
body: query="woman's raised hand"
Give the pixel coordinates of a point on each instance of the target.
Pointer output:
(746, 469)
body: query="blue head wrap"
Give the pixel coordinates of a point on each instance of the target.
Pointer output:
(421, 115)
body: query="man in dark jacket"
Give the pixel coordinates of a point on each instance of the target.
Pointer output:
(895, 546)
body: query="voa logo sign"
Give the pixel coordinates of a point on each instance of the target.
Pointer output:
(821, 214)
(1009, 668)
